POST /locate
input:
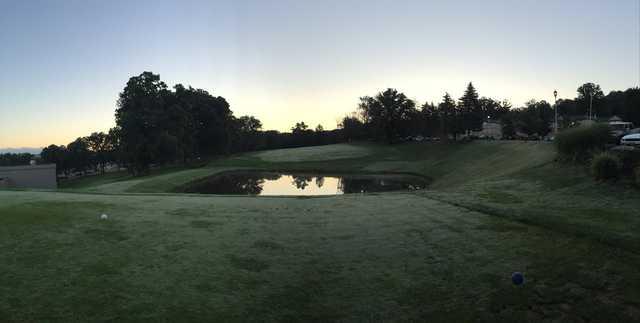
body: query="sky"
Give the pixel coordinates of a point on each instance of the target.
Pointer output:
(63, 62)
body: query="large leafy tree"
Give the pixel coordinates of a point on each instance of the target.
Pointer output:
(632, 105)
(492, 109)
(98, 145)
(249, 124)
(299, 128)
(213, 124)
(114, 147)
(534, 119)
(590, 95)
(140, 110)
(539, 115)
(352, 128)
(179, 126)
(301, 134)
(247, 133)
(508, 125)
(385, 112)
(58, 155)
(80, 157)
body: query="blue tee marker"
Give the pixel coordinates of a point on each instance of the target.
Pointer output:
(517, 278)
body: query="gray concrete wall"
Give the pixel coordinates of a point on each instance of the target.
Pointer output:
(36, 176)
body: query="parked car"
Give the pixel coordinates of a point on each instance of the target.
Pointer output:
(631, 140)
(620, 129)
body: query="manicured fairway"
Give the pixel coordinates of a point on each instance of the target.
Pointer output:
(446, 254)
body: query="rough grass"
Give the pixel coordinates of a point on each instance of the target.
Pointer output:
(518, 180)
(350, 258)
(440, 255)
(97, 180)
(318, 153)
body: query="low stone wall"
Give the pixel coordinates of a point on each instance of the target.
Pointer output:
(36, 176)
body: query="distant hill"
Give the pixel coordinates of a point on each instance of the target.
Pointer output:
(30, 150)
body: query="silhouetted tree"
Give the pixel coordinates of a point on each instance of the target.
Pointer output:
(632, 105)
(213, 121)
(492, 109)
(15, 159)
(301, 182)
(587, 93)
(58, 155)
(114, 147)
(249, 124)
(140, 109)
(99, 148)
(450, 121)
(300, 127)
(430, 120)
(508, 125)
(79, 155)
(471, 115)
(352, 128)
(247, 135)
(532, 120)
(384, 113)
(301, 134)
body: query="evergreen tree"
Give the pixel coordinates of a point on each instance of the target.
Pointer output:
(470, 110)
(449, 117)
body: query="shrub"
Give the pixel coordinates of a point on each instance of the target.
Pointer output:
(629, 159)
(577, 144)
(605, 166)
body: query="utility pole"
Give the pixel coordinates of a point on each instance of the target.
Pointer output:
(591, 105)
(555, 108)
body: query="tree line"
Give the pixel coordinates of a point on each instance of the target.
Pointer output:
(391, 116)
(590, 97)
(157, 125)
(15, 159)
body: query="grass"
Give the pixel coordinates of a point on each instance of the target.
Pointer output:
(319, 153)
(89, 181)
(441, 255)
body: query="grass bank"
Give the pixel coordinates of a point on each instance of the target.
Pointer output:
(395, 256)
(445, 254)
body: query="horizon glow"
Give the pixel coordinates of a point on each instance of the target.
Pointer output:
(64, 63)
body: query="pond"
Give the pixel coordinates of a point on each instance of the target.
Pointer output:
(298, 184)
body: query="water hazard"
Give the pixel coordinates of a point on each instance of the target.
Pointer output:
(309, 184)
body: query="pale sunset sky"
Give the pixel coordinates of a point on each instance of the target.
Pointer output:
(63, 62)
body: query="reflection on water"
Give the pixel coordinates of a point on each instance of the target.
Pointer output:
(270, 183)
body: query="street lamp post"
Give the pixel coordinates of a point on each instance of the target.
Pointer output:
(555, 97)
(591, 105)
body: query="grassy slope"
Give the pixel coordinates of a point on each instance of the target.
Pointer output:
(449, 165)
(518, 180)
(391, 256)
(353, 258)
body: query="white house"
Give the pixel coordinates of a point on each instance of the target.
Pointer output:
(490, 129)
